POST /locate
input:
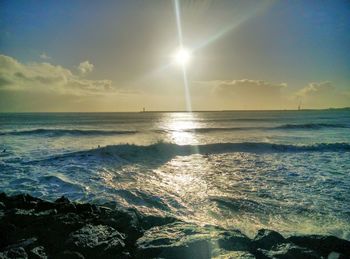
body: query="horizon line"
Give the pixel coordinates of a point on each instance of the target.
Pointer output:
(170, 111)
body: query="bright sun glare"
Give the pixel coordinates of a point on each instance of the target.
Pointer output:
(182, 56)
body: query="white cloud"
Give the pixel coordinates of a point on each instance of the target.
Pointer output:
(316, 89)
(85, 67)
(250, 94)
(248, 87)
(323, 94)
(44, 56)
(45, 77)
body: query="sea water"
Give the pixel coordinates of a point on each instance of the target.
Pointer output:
(282, 170)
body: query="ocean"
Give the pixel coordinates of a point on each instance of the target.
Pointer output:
(283, 170)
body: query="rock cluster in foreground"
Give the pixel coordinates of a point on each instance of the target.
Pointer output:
(34, 228)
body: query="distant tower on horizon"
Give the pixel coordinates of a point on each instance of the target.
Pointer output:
(299, 106)
(144, 109)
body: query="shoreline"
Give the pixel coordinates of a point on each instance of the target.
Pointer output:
(34, 228)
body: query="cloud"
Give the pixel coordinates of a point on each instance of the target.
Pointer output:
(250, 94)
(44, 56)
(248, 87)
(313, 89)
(85, 67)
(45, 77)
(323, 94)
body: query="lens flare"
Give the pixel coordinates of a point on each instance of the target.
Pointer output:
(182, 56)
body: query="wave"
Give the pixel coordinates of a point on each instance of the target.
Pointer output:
(66, 132)
(166, 151)
(311, 126)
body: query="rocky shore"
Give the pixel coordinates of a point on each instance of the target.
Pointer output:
(34, 228)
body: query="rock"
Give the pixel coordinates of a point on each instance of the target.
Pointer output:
(45, 205)
(2, 206)
(323, 244)
(85, 208)
(38, 253)
(18, 253)
(185, 240)
(234, 255)
(151, 221)
(175, 240)
(289, 251)
(25, 243)
(70, 255)
(335, 255)
(124, 221)
(97, 241)
(234, 240)
(9, 234)
(20, 201)
(266, 239)
(63, 199)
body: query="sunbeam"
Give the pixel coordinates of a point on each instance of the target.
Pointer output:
(182, 56)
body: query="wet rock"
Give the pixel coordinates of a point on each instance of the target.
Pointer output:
(323, 244)
(85, 208)
(234, 240)
(9, 234)
(151, 221)
(37, 253)
(266, 239)
(335, 255)
(234, 255)
(97, 241)
(125, 221)
(289, 251)
(25, 243)
(45, 205)
(70, 255)
(175, 240)
(185, 240)
(2, 206)
(34, 228)
(18, 253)
(21, 201)
(63, 199)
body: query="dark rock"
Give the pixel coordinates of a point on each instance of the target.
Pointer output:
(84, 208)
(151, 221)
(37, 253)
(70, 255)
(2, 206)
(9, 234)
(124, 221)
(266, 239)
(25, 243)
(97, 241)
(18, 253)
(66, 207)
(45, 205)
(234, 240)
(63, 199)
(323, 244)
(185, 240)
(3, 197)
(289, 251)
(335, 255)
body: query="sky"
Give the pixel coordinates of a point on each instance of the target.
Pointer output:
(99, 56)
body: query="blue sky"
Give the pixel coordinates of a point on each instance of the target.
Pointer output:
(302, 45)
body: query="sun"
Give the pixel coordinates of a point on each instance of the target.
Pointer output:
(182, 56)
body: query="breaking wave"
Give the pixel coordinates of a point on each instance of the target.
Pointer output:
(161, 150)
(66, 132)
(309, 126)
